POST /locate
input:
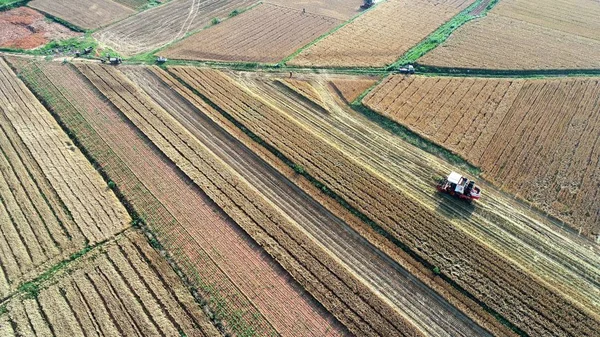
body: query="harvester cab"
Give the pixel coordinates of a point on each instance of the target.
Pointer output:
(459, 186)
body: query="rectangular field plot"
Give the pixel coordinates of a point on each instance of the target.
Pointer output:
(525, 35)
(536, 138)
(382, 35)
(158, 26)
(88, 14)
(337, 149)
(247, 290)
(52, 202)
(267, 33)
(339, 9)
(123, 288)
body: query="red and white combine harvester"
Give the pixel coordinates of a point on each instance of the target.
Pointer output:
(459, 186)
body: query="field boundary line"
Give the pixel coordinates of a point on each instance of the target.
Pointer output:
(149, 57)
(31, 288)
(428, 70)
(442, 33)
(312, 43)
(14, 4)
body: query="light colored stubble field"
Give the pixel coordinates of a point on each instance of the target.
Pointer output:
(380, 36)
(525, 35)
(89, 14)
(266, 33)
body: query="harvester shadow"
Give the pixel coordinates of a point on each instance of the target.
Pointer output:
(452, 207)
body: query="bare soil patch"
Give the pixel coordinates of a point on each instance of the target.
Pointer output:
(26, 28)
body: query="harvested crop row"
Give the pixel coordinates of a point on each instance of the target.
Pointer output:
(499, 221)
(160, 25)
(489, 278)
(90, 14)
(527, 29)
(357, 307)
(342, 233)
(522, 46)
(267, 33)
(95, 210)
(227, 268)
(535, 138)
(53, 202)
(375, 39)
(122, 288)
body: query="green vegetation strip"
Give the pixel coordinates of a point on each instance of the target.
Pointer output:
(6, 5)
(65, 47)
(327, 191)
(441, 34)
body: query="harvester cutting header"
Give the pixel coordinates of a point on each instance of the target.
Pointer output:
(462, 187)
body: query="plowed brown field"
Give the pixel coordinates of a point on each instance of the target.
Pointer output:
(382, 35)
(267, 33)
(89, 14)
(517, 34)
(244, 287)
(535, 138)
(26, 28)
(480, 270)
(160, 25)
(52, 201)
(124, 288)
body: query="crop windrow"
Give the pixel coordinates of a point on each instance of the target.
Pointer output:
(94, 148)
(300, 170)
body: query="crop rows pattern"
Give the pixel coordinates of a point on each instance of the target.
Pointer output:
(267, 33)
(477, 269)
(123, 288)
(204, 242)
(536, 138)
(375, 39)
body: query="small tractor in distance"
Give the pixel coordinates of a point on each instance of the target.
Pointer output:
(409, 69)
(367, 4)
(459, 186)
(112, 60)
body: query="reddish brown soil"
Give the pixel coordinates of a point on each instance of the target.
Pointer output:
(26, 28)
